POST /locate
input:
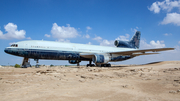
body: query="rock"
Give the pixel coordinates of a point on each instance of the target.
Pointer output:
(120, 74)
(125, 86)
(82, 81)
(178, 90)
(176, 80)
(95, 75)
(173, 69)
(146, 79)
(133, 70)
(83, 77)
(173, 92)
(142, 74)
(176, 85)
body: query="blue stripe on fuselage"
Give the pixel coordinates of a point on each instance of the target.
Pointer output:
(45, 54)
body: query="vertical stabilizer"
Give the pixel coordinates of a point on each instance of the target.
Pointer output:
(135, 40)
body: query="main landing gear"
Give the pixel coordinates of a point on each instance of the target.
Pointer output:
(98, 65)
(78, 64)
(91, 65)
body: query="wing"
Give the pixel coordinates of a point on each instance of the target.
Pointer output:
(141, 51)
(136, 52)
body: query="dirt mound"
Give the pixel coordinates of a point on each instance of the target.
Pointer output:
(153, 81)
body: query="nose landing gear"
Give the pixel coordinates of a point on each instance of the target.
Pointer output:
(37, 61)
(25, 63)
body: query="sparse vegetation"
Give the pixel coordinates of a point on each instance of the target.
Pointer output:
(17, 66)
(51, 65)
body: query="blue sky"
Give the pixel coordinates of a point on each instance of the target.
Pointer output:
(97, 22)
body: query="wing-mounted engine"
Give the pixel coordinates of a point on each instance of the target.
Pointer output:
(101, 58)
(74, 61)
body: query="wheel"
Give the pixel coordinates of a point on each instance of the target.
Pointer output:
(37, 66)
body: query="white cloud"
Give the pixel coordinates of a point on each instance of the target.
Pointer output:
(12, 32)
(167, 5)
(179, 42)
(173, 18)
(63, 40)
(134, 29)
(166, 34)
(47, 35)
(162, 41)
(155, 7)
(61, 32)
(177, 48)
(123, 38)
(12, 43)
(87, 36)
(107, 43)
(29, 38)
(88, 28)
(152, 44)
(89, 43)
(97, 38)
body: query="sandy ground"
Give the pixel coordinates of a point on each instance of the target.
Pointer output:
(150, 82)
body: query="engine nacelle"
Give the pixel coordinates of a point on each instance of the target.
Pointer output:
(74, 61)
(101, 59)
(119, 43)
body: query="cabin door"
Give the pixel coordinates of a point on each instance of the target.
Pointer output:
(26, 47)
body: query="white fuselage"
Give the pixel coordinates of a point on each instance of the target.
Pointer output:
(63, 51)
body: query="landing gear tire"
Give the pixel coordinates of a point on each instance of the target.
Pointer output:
(106, 65)
(91, 65)
(37, 66)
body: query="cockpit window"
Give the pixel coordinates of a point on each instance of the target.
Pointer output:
(14, 45)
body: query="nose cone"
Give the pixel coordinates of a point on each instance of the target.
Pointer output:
(6, 50)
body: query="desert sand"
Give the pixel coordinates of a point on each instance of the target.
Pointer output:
(158, 81)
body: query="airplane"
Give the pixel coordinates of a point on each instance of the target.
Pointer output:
(75, 53)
